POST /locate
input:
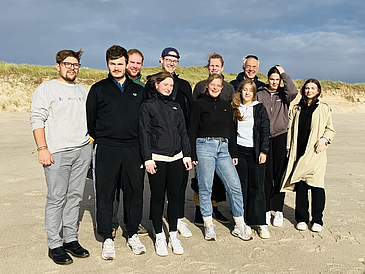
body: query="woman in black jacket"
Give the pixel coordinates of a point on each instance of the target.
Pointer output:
(253, 130)
(166, 151)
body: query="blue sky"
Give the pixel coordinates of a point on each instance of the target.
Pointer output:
(322, 39)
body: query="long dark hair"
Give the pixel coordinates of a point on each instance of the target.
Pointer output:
(302, 90)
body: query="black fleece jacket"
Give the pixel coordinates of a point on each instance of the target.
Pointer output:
(113, 115)
(212, 117)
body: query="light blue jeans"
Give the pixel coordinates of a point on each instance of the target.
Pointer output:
(213, 156)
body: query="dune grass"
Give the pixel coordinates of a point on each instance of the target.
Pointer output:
(18, 82)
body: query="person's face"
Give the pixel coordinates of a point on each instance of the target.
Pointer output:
(134, 65)
(215, 87)
(68, 69)
(117, 68)
(215, 66)
(311, 91)
(169, 63)
(274, 81)
(251, 68)
(165, 87)
(247, 93)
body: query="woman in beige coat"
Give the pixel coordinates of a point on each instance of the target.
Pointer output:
(310, 132)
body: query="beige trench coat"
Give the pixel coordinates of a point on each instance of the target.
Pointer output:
(311, 167)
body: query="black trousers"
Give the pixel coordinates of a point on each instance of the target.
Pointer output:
(302, 203)
(114, 167)
(168, 178)
(276, 163)
(182, 194)
(252, 177)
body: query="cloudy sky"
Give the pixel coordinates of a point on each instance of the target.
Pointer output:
(323, 39)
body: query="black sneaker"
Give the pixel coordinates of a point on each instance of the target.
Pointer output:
(219, 217)
(198, 220)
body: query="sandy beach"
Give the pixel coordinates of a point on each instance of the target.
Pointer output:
(339, 248)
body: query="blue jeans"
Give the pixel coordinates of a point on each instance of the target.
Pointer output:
(213, 156)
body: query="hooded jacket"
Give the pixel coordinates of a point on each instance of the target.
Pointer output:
(163, 129)
(277, 104)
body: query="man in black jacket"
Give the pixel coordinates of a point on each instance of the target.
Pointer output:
(113, 122)
(250, 68)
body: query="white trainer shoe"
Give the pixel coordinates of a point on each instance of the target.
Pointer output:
(135, 244)
(316, 227)
(301, 226)
(268, 217)
(263, 231)
(241, 232)
(108, 252)
(183, 229)
(278, 219)
(175, 245)
(161, 247)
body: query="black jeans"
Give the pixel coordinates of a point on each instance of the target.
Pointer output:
(252, 177)
(169, 177)
(302, 203)
(276, 163)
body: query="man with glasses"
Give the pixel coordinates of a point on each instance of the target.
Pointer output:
(182, 94)
(250, 68)
(58, 119)
(112, 109)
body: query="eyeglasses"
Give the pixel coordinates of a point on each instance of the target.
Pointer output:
(170, 61)
(69, 65)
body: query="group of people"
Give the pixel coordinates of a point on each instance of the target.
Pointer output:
(240, 138)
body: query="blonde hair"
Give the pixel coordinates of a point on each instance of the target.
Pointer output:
(237, 99)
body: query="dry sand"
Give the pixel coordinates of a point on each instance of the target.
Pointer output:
(340, 248)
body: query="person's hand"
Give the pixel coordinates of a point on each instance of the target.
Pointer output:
(320, 145)
(262, 158)
(151, 168)
(188, 165)
(280, 69)
(287, 154)
(235, 161)
(45, 157)
(195, 163)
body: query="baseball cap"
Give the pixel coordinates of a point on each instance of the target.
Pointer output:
(166, 51)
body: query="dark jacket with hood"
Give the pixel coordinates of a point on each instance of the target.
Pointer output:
(163, 129)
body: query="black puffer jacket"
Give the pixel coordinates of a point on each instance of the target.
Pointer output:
(162, 126)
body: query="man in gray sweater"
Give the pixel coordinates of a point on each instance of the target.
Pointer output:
(58, 119)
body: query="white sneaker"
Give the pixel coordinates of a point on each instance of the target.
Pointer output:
(135, 244)
(316, 227)
(301, 226)
(248, 230)
(263, 231)
(183, 229)
(161, 247)
(175, 245)
(241, 232)
(108, 252)
(209, 234)
(268, 217)
(278, 219)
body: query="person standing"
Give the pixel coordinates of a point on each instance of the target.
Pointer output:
(253, 130)
(58, 120)
(250, 68)
(113, 122)
(277, 100)
(181, 94)
(166, 152)
(215, 66)
(134, 66)
(213, 148)
(310, 132)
